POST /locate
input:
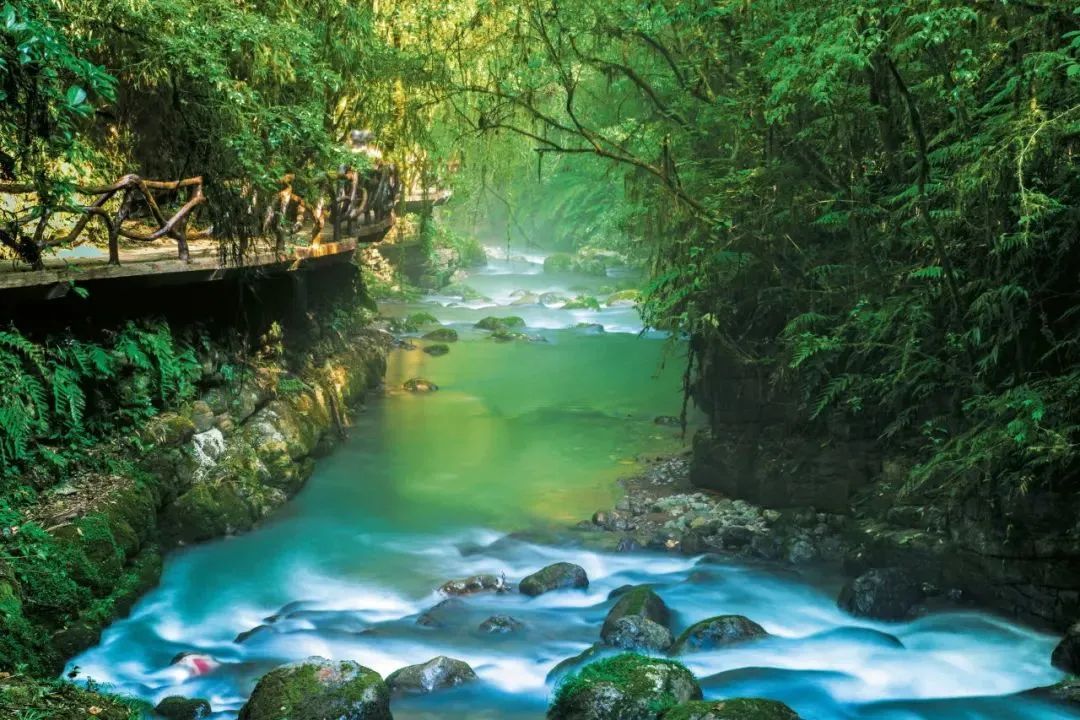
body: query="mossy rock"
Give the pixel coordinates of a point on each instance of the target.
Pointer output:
(176, 707)
(558, 263)
(637, 600)
(316, 689)
(623, 298)
(420, 319)
(443, 335)
(559, 576)
(717, 632)
(582, 302)
(209, 510)
(462, 291)
(419, 385)
(503, 323)
(504, 335)
(734, 709)
(437, 350)
(169, 429)
(624, 687)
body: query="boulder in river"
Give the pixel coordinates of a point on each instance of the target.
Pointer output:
(497, 323)
(436, 674)
(1066, 656)
(882, 594)
(501, 625)
(419, 385)
(732, 709)
(437, 350)
(717, 632)
(176, 707)
(558, 263)
(624, 687)
(443, 335)
(634, 632)
(636, 600)
(474, 584)
(316, 689)
(442, 613)
(559, 576)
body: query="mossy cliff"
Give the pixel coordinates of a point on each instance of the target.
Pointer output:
(82, 551)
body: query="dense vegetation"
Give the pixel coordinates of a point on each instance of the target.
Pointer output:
(874, 203)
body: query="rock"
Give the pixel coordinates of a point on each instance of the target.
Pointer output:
(558, 263)
(862, 636)
(589, 328)
(419, 385)
(732, 709)
(503, 323)
(526, 299)
(586, 656)
(443, 335)
(550, 299)
(501, 625)
(883, 594)
(202, 416)
(582, 302)
(733, 537)
(505, 335)
(474, 584)
(316, 689)
(560, 576)
(441, 614)
(624, 298)
(176, 707)
(717, 632)
(437, 350)
(628, 544)
(624, 687)
(436, 674)
(634, 632)
(1066, 656)
(638, 601)
(667, 421)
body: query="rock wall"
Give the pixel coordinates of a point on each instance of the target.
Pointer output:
(211, 468)
(1018, 554)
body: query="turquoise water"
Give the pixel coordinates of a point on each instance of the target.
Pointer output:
(526, 436)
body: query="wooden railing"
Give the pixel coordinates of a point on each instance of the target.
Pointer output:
(358, 198)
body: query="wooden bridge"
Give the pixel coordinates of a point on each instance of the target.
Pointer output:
(145, 247)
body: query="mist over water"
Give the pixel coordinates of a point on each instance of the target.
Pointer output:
(529, 436)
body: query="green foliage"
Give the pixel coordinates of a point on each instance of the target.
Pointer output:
(56, 397)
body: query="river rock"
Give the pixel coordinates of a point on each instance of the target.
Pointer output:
(442, 613)
(883, 594)
(560, 576)
(437, 350)
(443, 335)
(624, 687)
(1066, 656)
(558, 263)
(501, 625)
(474, 584)
(316, 689)
(638, 621)
(526, 299)
(436, 674)
(732, 709)
(717, 632)
(634, 632)
(419, 385)
(503, 323)
(176, 707)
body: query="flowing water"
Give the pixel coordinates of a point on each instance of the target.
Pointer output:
(528, 436)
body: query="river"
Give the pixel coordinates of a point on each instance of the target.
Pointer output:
(527, 436)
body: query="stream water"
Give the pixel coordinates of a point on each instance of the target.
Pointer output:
(527, 436)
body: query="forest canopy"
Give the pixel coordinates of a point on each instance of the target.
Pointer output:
(873, 203)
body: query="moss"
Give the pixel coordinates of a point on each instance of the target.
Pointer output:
(317, 689)
(638, 600)
(582, 302)
(169, 429)
(437, 350)
(176, 707)
(558, 263)
(623, 296)
(22, 697)
(443, 334)
(626, 687)
(503, 323)
(208, 510)
(734, 709)
(420, 319)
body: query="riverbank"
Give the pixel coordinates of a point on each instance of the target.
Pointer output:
(80, 556)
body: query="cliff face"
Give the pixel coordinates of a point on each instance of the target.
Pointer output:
(1017, 553)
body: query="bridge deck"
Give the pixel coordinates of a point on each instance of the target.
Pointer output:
(156, 263)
